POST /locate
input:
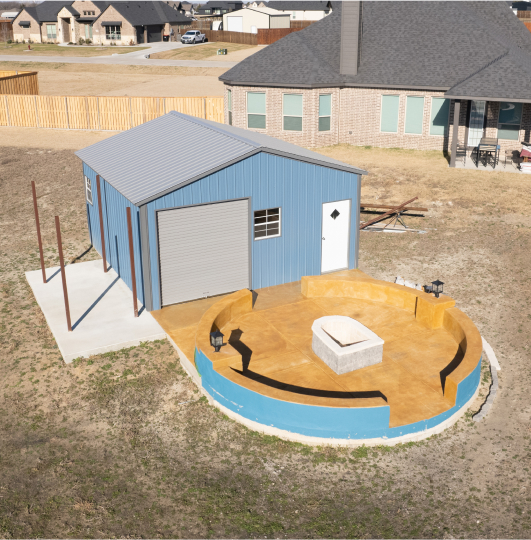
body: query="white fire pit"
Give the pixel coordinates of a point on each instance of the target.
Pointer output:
(345, 344)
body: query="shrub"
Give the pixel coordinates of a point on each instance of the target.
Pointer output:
(9, 41)
(81, 41)
(88, 42)
(131, 42)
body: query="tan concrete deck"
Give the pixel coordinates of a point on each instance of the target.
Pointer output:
(274, 342)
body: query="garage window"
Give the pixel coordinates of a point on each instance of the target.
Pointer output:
(88, 189)
(256, 110)
(325, 111)
(229, 105)
(113, 32)
(292, 112)
(389, 119)
(267, 223)
(509, 120)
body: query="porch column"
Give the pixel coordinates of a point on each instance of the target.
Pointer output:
(457, 110)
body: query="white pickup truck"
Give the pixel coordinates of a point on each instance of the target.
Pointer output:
(193, 36)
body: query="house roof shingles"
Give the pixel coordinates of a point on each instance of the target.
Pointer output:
(148, 12)
(298, 5)
(476, 47)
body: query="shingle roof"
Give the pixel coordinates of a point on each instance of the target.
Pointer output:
(169, 152)
(46, 11)
(145, 12)
(404, 45)
(298, 5)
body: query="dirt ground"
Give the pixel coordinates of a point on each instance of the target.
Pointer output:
(120, 445)
(45, 49)
(103, 80)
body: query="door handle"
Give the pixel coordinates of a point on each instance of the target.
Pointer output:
(323, 238)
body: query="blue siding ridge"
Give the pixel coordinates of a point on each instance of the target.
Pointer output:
(317, 421)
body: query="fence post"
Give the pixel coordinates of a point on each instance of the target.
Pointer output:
(37, 223)
(87, 112)
(62, 262)
(132, 259)
(102, 231)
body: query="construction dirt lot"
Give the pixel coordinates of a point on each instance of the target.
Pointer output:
(122, 446)
(116, 80)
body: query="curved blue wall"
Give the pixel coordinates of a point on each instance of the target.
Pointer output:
(314, 421)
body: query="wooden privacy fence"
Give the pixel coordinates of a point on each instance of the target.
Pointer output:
(19, 82)
(265, 36)
(270, 35)
(100, 113)
(6, 29)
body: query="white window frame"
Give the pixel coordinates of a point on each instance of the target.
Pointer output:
(88, 190)
(47, 31)
(229, 105)
(290, 115)
(247, 113)
(279, 221)
(319, 116)
(116, 36)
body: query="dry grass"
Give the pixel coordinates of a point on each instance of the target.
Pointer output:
(204, 51)
(105, 447)
(47, 49)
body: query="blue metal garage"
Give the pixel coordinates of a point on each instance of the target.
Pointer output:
(217, 208)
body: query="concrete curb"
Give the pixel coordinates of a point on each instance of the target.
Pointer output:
(494, 368)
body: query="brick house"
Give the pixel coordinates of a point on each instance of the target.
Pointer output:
(68, 21)
(431, 75)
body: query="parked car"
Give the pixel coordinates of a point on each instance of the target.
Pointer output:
(193, 36)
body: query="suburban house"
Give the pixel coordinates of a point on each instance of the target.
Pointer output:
(255, 4)
(103, 22)
(213, 8)
(434, 75)
(251, 213)
(301, 10)
(251, 19)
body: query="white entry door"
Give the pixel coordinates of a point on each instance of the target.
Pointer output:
(336, 234)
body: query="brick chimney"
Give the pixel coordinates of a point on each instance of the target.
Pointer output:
(351, 13)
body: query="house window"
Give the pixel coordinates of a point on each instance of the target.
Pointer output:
(229, 105)
(509, 120)
(292, 112)
(88, 189)
(414, 114)
(267, 223)
(207, 11)
(389, 118)
(325, 111)
(440, 111)
(88, 31)
(256, 110)
(51, 31)
(113, 32)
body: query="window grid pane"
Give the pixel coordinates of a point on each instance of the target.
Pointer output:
(256, 121)
(292, 123)
(267, 223)
(324, 123)
(510, 113)
(389, 119)
(292, 105)
(325, 105)
(256, 103)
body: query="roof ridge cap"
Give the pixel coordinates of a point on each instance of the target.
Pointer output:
(195, 120)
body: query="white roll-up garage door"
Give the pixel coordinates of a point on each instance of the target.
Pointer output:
(203, 250)
(235, 24)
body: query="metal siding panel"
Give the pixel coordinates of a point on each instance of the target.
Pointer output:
(299, 188)
(92, 209)
(211, 254)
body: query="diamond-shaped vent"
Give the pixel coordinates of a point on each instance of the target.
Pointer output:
(334, 214)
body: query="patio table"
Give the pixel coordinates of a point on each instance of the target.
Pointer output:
(490, 146)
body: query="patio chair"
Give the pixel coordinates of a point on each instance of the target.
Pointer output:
(461, 153)
(510, 157)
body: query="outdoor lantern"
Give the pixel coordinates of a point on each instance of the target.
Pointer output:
(216, 340)
(437, 288)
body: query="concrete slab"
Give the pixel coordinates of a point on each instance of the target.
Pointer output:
(101, 310)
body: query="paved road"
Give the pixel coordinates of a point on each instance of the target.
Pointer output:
(135, 58)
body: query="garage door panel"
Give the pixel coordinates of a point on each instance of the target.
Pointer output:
(203, 250)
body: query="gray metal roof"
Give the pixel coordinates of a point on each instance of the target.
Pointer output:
(173, 150)
(300, 5)
(425, 44)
